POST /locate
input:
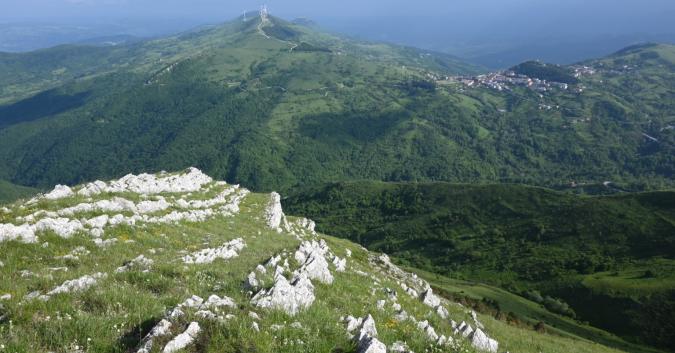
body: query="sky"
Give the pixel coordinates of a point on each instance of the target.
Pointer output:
(639, 10)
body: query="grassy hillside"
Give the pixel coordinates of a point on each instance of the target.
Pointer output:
(522, 312)
(126, 302)
(10, 192)
(609, 258)
(275, 105)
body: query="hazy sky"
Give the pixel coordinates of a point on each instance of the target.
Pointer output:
(646, 13)
(462, 27)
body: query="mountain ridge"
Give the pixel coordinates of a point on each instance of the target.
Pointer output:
(219, 268)
(251, 109)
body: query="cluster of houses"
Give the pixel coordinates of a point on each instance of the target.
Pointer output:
(583, 70)
(506, 80)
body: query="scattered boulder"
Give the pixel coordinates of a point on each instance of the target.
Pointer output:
(184, 339)
(290, 297)
(162, 328)
(59, 192)
(312, 257)
(482, 342)
(273, 213)
(206, 256)
(431, 299)
(140, 262)
(77, 285)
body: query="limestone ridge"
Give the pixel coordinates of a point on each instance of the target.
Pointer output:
(291, 281)
(150, 208)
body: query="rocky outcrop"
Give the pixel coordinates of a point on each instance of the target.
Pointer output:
(273, 212)
(289, 296)
(365, 334)
(482, 342)
(183, 340)
(229, 250)
(150, 184)
(312, 257)
(141, 262)
(59, 192)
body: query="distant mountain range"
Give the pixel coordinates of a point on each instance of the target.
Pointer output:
(274, 105)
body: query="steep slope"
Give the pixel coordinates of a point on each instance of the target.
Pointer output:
(610, 258)
(168, 262)
(272, 104)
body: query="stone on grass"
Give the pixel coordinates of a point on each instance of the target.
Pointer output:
(289, 296)
(184, 339)
(77, 285)
(206, 256)
(482, 342)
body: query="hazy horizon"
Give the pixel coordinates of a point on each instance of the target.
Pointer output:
(492, 32)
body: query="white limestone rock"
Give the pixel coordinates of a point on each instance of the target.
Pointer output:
(23, 233)
(184, 339)
(290, 297)
(371, 345)
(91, 189)
(353, 323)
(229, 250)
(482, 342)
(251, 281)
(476, 321)
(399, 347)
(59, 192)
(140, 262)
(340, 264)
(367, 338)
(77, 285)
(431, 299)
(191, 180)
(464, 329)
(368, 327)
(105, 243)
(273, 213)
(312, 257)
(63, 227)
(216, 302)
(162, 328)
(442, 312)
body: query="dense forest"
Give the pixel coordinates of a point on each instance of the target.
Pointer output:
(598, 259)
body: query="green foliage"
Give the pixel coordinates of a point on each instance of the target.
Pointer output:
(250, 110)
(10, 192)
(548, 72)
(517, 237)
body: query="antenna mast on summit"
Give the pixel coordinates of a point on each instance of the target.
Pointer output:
(264, 11)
